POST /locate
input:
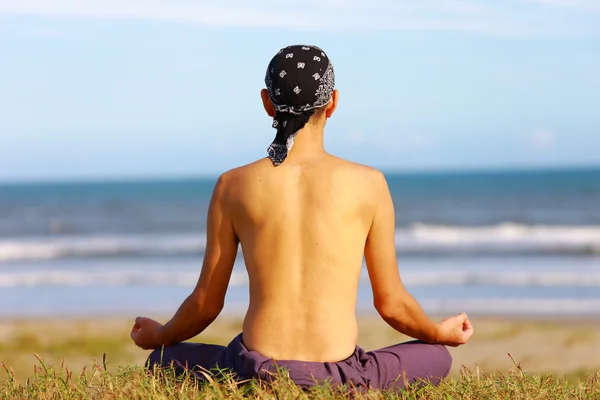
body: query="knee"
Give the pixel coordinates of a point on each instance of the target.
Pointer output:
(444, 360)
(157, 358)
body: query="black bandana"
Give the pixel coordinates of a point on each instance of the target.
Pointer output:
(299, 79)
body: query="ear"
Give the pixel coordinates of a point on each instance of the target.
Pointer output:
(332, 105)
(264, 94)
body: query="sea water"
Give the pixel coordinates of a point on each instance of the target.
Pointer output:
(486, 243)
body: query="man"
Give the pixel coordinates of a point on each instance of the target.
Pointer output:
(304, 219)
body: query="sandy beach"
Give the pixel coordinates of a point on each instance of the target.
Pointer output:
(568, 347)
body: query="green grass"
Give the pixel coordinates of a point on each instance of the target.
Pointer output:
(580, 337)
(25, 342)
(130, 382)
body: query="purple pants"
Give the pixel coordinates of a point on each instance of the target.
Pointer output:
(387, 368)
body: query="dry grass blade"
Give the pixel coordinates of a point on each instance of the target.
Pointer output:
(137, 383)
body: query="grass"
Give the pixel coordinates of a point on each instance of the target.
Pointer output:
(569, 351)
(30, 343)
(579, 337)
(131, 382)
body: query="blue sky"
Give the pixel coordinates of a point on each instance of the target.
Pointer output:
(133, 88)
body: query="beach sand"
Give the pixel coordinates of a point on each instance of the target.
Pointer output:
(563, 347)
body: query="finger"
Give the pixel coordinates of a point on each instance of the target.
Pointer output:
(467, 335)
(467, 325)
(462, 317)
(139, 320)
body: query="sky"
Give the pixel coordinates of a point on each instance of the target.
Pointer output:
(156, 88)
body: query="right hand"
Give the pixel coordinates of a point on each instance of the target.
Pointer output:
(454, 331)
(146, 333)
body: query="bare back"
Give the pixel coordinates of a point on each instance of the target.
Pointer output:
(302, 228)
(305, 221)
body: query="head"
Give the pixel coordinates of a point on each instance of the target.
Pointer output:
(300, 90)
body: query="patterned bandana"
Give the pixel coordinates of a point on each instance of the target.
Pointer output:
(299, 79)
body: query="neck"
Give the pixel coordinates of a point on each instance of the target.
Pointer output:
(308, 141)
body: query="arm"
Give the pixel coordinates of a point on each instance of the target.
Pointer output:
(395, 305)
(206, 301)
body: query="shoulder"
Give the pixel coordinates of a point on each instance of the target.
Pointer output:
(229, 181)
(364, 174)
(368, 187)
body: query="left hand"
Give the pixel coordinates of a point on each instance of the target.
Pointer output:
(147, 333)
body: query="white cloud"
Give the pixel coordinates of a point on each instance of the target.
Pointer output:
(542, 140)
(588, 5)
(400, 142)
(474, 16)
(355, 138)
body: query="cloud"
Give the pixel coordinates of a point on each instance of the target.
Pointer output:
(587, 5)
(355, 137)
(542, 140)
(475, 16)
(395, 143)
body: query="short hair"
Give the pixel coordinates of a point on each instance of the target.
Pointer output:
(318, 113)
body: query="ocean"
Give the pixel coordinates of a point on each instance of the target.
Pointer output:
(488, 243)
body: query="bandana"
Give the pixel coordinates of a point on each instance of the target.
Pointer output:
(299, 80)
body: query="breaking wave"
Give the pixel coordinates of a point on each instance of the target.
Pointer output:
(507, 238)
(239, 278)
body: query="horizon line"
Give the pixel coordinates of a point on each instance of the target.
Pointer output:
(169, 178)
